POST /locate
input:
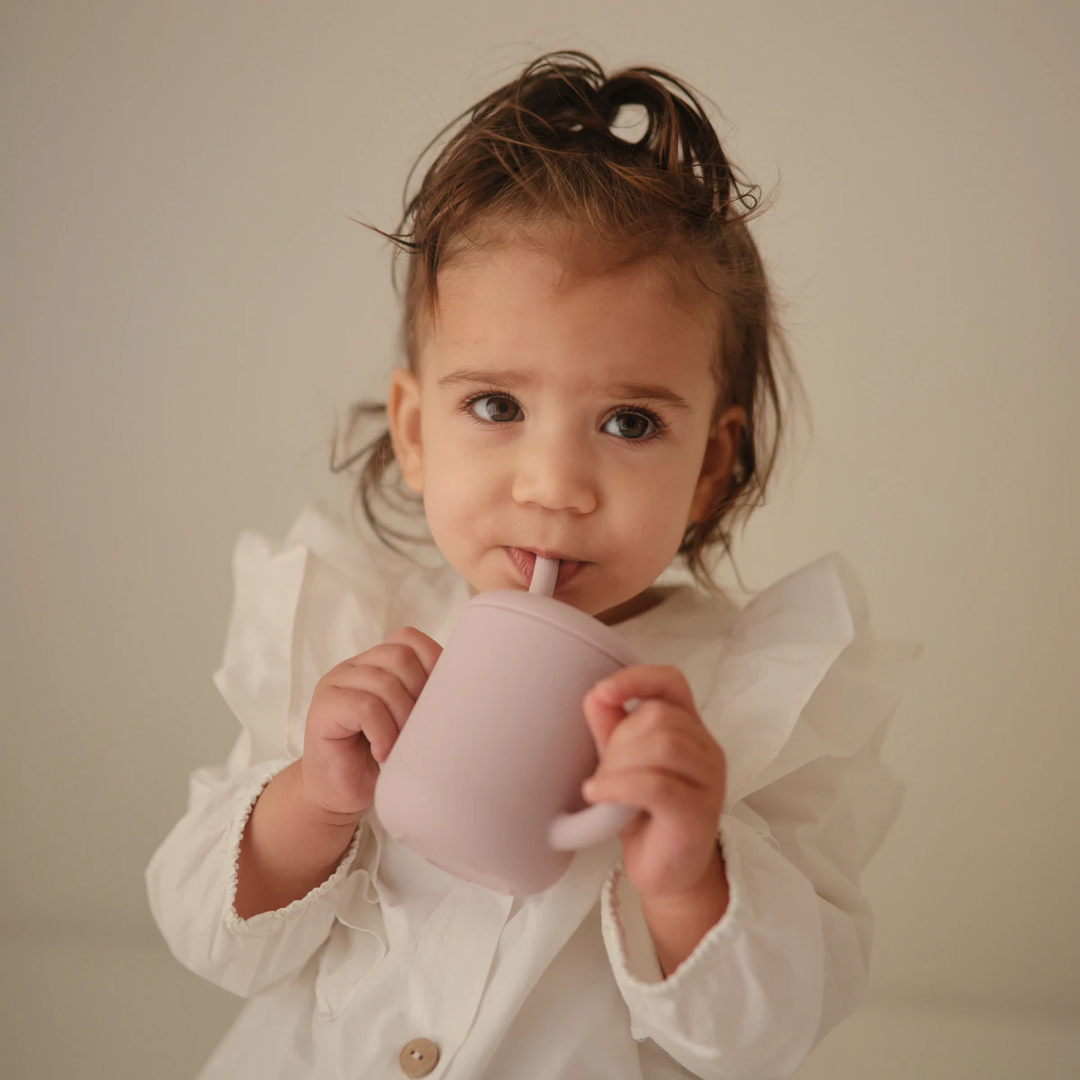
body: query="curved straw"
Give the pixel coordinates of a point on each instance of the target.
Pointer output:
(544, 575)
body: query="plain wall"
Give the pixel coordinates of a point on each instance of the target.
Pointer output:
(186, 308)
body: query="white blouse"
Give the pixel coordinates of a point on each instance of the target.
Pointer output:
(392, 967)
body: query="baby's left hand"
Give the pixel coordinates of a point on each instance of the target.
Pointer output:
(662, 759)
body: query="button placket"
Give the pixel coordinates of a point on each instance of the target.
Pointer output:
(453, 960)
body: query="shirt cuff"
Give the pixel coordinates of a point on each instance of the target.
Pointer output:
(266, 922)
(748, 999)
(631, 948)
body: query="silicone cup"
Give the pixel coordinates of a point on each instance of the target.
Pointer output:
(601, 821)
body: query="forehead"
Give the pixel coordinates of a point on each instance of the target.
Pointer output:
(533, 303)
(557, 256)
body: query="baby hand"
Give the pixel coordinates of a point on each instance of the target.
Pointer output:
(354, 718)
(660, 758)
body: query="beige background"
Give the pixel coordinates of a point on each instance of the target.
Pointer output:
(186, 307)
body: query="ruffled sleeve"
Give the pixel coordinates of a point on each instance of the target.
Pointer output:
(297, 611)
(801, 701)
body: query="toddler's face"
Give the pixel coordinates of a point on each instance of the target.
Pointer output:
(561, 412)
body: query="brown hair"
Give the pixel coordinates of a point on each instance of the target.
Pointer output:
(540, 151)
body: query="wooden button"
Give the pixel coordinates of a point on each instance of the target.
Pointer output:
(418, 1057)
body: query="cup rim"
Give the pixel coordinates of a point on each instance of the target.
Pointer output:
(562, 616)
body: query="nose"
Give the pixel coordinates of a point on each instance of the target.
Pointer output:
(557, 474)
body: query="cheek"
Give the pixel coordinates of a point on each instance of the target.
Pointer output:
(657, 490)
(655, 511)
(453, 497)
(455, 472)
(660, 532)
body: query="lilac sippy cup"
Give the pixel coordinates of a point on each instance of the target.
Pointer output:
(485, 777)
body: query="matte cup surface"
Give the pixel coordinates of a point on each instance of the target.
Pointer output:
(496, 746)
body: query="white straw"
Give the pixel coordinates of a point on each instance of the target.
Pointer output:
(544, 575)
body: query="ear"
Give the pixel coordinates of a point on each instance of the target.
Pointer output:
(717, 462)
(403, 414)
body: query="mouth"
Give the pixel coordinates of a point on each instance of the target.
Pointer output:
(524, 561)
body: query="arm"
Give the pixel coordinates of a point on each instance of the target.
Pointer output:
(246, 887)
(789, 957)
(801, 701)
(193, 876)
(677, 924)
(289, 846)
(193, 879)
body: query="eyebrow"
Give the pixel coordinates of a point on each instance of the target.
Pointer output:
(516, 379)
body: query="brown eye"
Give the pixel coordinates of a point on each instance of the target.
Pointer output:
(632, 425)
(500, 412)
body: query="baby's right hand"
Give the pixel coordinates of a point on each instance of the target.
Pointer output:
(354, 718)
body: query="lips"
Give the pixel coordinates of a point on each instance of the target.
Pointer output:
(524, 561)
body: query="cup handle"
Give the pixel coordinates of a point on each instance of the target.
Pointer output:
(594, 824)
(569, 832)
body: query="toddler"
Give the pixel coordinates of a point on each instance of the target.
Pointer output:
(592, 372)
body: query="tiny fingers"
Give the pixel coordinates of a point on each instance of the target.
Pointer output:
(649, 738)
(650, 789)
(376, 681)
(354, 713)
(644, 681)
(426, 650)
(396, 659)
